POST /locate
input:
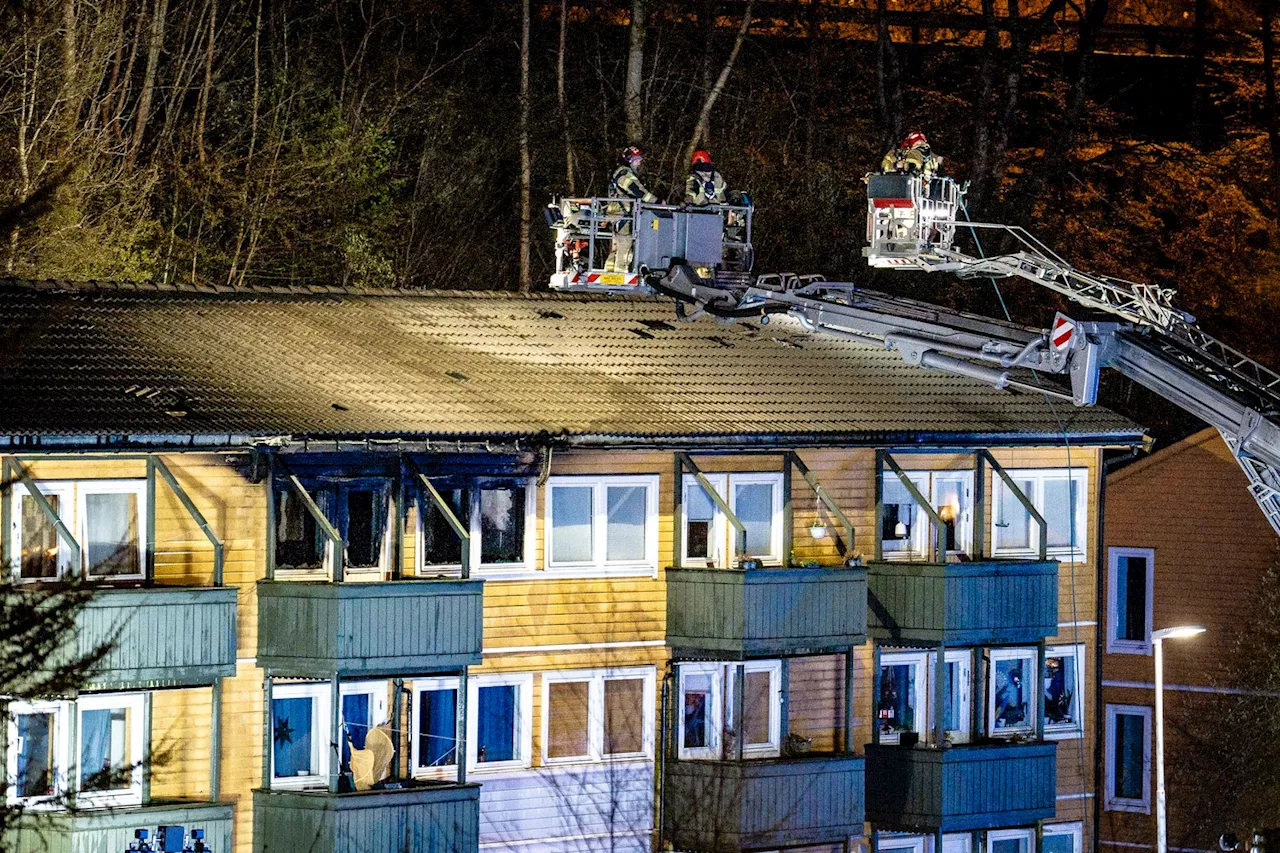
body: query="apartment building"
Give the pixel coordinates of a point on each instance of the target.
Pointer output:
(462, 571)
(1185, 545)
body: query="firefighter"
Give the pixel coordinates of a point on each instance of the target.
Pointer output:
(913, 157)
(704, 185)
(625, 183)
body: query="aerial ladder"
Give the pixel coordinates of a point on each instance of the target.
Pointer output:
(696, 257)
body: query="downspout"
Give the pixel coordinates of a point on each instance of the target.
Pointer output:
(662, 751)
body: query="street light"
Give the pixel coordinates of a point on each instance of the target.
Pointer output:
(1180, 632)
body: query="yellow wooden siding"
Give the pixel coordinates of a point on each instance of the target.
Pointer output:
(181, 726)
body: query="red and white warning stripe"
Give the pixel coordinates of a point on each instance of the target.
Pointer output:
(1061, 333)
(617, 279)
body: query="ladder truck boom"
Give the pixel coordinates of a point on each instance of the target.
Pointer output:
(701, 258)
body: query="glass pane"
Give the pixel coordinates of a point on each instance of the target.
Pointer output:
(1010, 845)
(567, 720)
(299, 543)
(757, 708)
(571, 524)
(697, 711)
(111, 528)
(39, 540)
(366, 521)
(1060, 691)
(753, 504)
(699, 513)
(899, 514)
(437, 728)
(1131, 588)
(951, 697)
(502, 525)
(37, 761)
(625, 530)
(355, 724)
(948, 500)
(291, 736)
(1013, 700)
(897, 709)
(1057, 842)
(105, 763)
(496, 729)
(441, 545)
(623, 715)
(1013, 522)
(1060, 497)
(1130, 741)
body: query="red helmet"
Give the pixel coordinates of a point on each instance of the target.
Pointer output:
(701, 156)
(913, 139)
(632, 155)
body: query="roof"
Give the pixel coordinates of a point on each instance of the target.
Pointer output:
(99, 359)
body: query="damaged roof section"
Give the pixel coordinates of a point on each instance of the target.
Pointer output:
(94, 359)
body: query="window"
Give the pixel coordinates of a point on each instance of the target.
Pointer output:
(905, 530)
(1060, 495)
(957, 842)
(1130, 590)
(1011, 841)
(434, 740)
(707, 701)
(755, 498)
(886, 842)
(1011, 691)
(500, 709)
(497, 514)
(37, 751)
(1062, 838)
(357, 508)
(299, 735)
(364, 707)
(906, 695)
(1063, 683)
(1128, 787)
(104, 516)
(109, 751)
(590, 716)
(602, 523)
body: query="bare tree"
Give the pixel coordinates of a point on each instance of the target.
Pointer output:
(1270, 118)
(633, 101)
(702, 129)
(526, 168)
(155, 44)
(561, 98)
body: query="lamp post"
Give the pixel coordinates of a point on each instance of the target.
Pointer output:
(1157, 641)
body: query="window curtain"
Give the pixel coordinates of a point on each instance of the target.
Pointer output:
(437, 728)
(36, 766)
(40, 546)
(103, 749)
(355, 724)
(111, 527)
(291, 736)
(496, 723)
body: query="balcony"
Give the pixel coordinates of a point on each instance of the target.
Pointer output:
(733, 614)
(111, 830)
(727, 807)
(163, 636)
(358, 629)
(442, 818)
(971, 604)
(961, 788)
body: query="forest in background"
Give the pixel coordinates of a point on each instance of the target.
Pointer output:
(411, 144)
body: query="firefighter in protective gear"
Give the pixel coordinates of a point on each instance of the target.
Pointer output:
(913, 157)
(704, 185)
(625, 183)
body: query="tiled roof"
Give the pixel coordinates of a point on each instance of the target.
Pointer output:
(95, 359)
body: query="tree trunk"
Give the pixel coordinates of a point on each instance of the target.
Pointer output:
(981, 171)
(702, 128)
(561, 97)
(155, 44)
(1269, 95)
(632, 100)
(888, 84)
(526, 201)
(202, 106)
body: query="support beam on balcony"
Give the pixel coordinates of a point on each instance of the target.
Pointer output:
(215, 742)
(156, 465)
(339, 560)
(829, 502)
(683, 461)
(1022, 499)
(16, 470)
(936, 524)
(442, 506)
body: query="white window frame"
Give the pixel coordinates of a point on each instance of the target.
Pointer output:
(135, 704)
(1038, 477)
(595, 680)
(61, 749)
(321, 716)
(523, 721)
(72, 509)
(715, 711)
(524, 566)
(1075, 829)
(951, 839)
(1115, 644)
(379, 711)
(723, 537)
(599, 562)
(773, 748)
(1031, 679)
(920, 544)
(963, 658)
(1028, 835)
(920, 686)
(1113, 802)
(429, 685)
(886, 841)
(1068, 731)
